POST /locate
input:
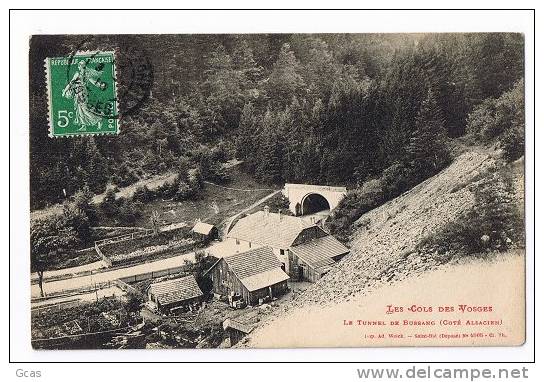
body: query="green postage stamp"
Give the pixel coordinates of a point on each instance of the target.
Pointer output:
(82, 94)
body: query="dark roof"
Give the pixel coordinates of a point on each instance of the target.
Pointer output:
(264, 279)
(257, 268)
(252, 262)
(273, 229)
(319, 253)
(176, 290)
(203, 228)
(240, 326)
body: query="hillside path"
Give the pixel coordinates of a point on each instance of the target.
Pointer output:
(225, 227)
(151, 183)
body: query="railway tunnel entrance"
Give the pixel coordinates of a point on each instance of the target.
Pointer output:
(314, 203)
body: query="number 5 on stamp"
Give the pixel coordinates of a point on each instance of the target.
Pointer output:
(82, 94)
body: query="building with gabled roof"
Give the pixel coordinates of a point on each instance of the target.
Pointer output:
(305, 250)
(236, 330)
(251, 275)
(205, 231)
(273, 229)
(313, 259)
(173, 294)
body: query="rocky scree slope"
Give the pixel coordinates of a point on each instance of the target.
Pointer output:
(383, 245)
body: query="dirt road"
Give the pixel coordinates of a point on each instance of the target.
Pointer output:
(101, 277)
(70, 271)
(225, 227)
(151, 183)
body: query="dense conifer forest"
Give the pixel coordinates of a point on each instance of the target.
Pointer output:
(325, 109)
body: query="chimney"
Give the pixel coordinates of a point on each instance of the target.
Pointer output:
(266, 211)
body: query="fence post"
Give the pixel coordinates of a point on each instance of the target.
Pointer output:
(104, 258)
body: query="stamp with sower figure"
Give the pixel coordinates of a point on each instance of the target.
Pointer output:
(82, 94)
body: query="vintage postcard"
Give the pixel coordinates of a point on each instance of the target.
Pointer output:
(277, 190)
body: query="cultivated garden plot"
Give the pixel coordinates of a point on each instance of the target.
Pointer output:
(71, 325)
(149, 248)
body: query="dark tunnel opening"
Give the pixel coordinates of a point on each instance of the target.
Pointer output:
(314, 203)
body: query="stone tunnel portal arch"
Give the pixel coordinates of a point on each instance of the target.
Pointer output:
(314, 203)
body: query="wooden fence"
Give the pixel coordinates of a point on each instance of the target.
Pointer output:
(58, 306)
(102, 256)
(129, 236)
(121, 331)
(127, 287)
(73, 292)
(152, 275)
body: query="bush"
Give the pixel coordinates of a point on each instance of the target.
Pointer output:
(394, 180)
(129, 210)
(513, 143)
(83, 201)
(122, 209)
(222, 152)
(218, 174)
(195, 179)
(109, 204)
(502, 120)
(73, 218)
(184, 192)
(125, 176)
(167, 189)
(493, 223)
(143, 194)
(183, 167)
(133, 303)
(51, 238)
(280, 202)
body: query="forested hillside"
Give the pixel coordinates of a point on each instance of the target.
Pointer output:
(327, 109)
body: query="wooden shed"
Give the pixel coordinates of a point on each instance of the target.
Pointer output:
(252, 275)
(236, 330)
(310, 260)
(205, 231)
(175, 294)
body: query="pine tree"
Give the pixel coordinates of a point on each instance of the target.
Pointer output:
(244, 61)
(269, 156)
(426, 151)
(222, 91)
(320, 68)
(285, 80)
(246, 132)
(97, 169)
(292, 127)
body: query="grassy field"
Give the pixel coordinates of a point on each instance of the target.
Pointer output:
(215, 203)
(72, 259)
(152, 183)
